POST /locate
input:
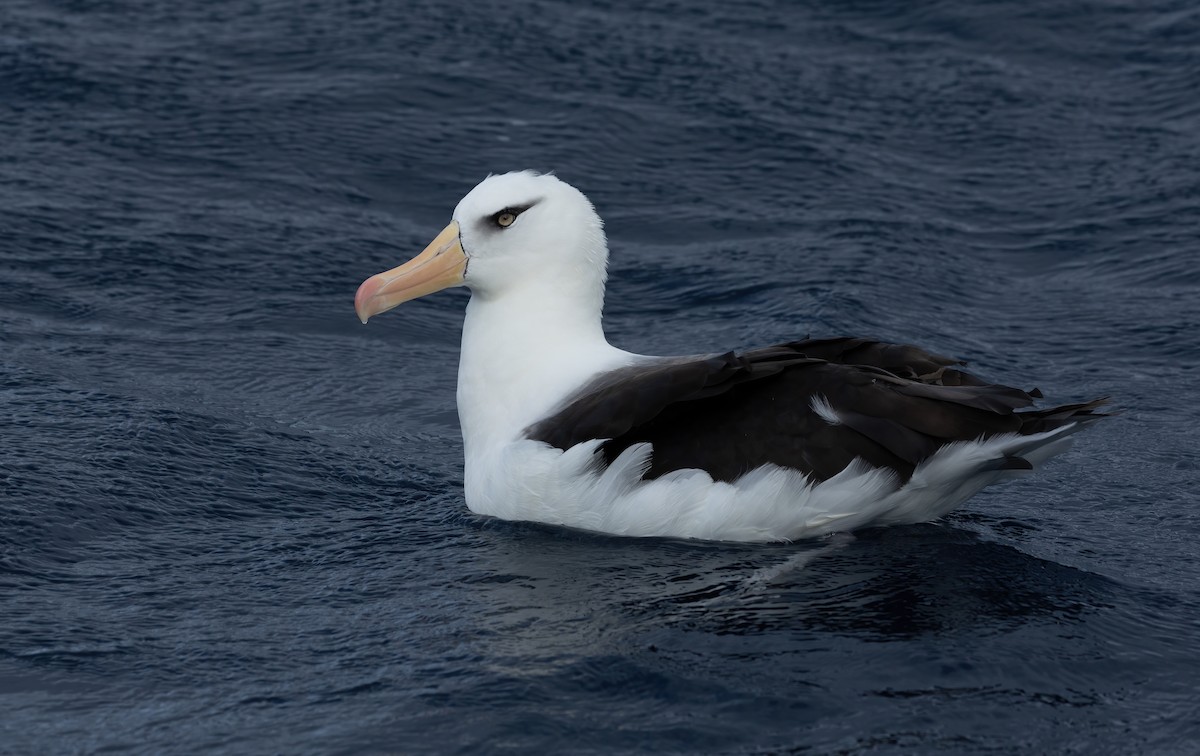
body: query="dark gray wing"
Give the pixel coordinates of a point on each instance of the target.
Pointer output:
(896, 405)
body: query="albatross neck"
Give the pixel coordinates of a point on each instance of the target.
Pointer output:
(522, 354)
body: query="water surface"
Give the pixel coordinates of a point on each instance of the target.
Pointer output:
(231, 517)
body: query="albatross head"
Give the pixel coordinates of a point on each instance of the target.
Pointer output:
(516, 235)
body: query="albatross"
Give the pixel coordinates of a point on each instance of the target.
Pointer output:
(777, 443)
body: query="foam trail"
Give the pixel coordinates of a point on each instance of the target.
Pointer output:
(760, 579)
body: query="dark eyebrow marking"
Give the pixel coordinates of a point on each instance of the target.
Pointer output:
(514, 209)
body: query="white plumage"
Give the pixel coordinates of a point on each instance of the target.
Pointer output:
(527, 480)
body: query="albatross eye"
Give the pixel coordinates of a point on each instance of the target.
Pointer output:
(508, 216)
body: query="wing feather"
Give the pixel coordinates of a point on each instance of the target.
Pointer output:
(731, 413)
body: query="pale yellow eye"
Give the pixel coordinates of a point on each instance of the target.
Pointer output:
(505, 219)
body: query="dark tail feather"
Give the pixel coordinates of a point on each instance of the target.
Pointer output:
(1039, 421)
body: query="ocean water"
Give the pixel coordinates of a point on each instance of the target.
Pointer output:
(231, 517)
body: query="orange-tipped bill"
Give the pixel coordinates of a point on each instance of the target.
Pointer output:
(442, 265)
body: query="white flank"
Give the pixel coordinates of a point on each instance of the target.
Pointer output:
(530, 480)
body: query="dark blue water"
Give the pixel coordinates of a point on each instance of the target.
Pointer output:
(232, 517)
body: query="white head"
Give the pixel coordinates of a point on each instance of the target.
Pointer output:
(524, 228)
(519, 234)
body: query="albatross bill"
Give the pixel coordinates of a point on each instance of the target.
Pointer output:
(791, 441)
(441, 265)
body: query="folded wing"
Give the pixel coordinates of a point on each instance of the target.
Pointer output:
(814, 405)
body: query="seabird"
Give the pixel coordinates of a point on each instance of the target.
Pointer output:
(777, 443)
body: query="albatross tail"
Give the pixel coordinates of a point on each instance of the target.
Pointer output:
(960, 470)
